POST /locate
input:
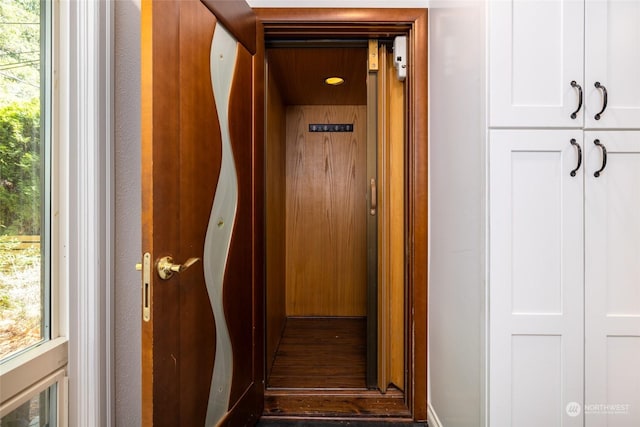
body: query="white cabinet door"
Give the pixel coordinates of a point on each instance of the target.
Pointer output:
(535, 52)
(612, 57)
(612, 280)
(536, 279)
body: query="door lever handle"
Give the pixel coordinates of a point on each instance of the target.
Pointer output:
(374, 197)
(166, 267)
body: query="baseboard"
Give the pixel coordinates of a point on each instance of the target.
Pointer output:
(432, 417)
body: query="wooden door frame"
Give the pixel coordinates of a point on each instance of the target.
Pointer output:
(372, 23)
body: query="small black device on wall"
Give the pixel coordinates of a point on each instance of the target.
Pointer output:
(341, 127)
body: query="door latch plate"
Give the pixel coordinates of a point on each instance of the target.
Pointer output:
(146, 287)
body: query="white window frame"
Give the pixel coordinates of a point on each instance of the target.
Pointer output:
(79, 355)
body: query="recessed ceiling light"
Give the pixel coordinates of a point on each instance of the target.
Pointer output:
(334, 81)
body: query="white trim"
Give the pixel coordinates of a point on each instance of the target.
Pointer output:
(86, 86)
(59, 178)
(432, 417)
(110, 208)
(26, 395)
(23, 371)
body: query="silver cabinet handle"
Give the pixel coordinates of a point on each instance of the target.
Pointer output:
(605, 97)
(604, 157)
(575, 144)
(576, 85)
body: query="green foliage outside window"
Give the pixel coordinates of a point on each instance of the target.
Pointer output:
(20, 168)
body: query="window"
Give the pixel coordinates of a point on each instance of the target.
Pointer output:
(32, 357)
(39, 410)
(24, 139)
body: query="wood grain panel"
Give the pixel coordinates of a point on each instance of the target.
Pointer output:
(418, 210)
(396, 192)
(275, 218)
(341, 22)
(301, 73)
(238, 18)
(199, 170)
(239, 287)
(160, 128)
(326, 213)
(391, 224)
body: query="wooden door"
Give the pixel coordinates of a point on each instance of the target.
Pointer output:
(202, 352)
(536, 51)
(612, 286)
(390, 223)
(612, 58)
(536, 278)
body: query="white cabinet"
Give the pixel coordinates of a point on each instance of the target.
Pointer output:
(538, 48)
(536, 277)
(562, 252)
(535, 52)
(612, 57)
(564, 292)
(612, 280)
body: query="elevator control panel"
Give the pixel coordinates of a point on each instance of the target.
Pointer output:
(400, 56)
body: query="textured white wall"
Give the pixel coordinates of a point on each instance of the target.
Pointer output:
(127, 200)
(457, 211)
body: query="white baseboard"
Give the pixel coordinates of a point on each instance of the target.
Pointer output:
(432, 417)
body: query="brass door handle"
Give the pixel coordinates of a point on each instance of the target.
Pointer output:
(166, 267)
(374, 197)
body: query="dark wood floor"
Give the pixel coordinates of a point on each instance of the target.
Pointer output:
(319, 373)
(351, 423)
(321, 353)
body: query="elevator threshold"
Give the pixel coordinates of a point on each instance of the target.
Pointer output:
(319, 372)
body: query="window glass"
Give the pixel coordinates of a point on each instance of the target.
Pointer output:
(39, 411)
(24, 174)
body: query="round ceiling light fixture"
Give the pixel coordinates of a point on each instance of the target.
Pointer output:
(334, 81)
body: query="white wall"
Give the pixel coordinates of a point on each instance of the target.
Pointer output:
(457, 211)
(127, 200)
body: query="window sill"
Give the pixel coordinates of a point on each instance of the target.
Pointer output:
(23, 371)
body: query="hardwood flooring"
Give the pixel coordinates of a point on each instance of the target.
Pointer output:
(343, 423)
(319, 373)
(321, 353)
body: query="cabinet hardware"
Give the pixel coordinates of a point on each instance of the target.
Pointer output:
(574, 84)
(575, 144)
(604, 157)
(604, 99)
